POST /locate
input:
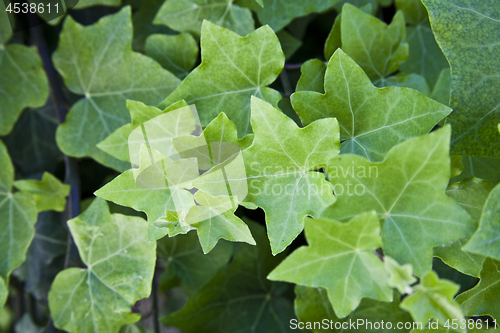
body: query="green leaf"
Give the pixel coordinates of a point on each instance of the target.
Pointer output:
(482, 299)
(142, 20)
(239, 298)
(441, 91)
(188, 15)
(289, 44)
(377, 47)
(312, 305)
(32, 143)
(279, 13)
(49, 193)
(486, 240)
(312, 76)
(4, 292)
(20, 65)
(433, 299)
(90, 3)
(230, 72)
(117, 143)
(177, 54)
(340, 259)
(413, 10)
(372, 120)
(466, 31)
(471, 194)
(97, 61)
(414, 81)
(185, 261)
(17, 218)
(407, 190)
(400, 277)
(120, 265)
(280, 167)
(425, 57)
(481, 167)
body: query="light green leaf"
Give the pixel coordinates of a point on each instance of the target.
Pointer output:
(120, 265)
(377, 47)
(89, 3)
(97, 61)
(312, 76)
(239, 298)
(400, 277)
(186, 262)
(230, 72)
(188, 15)
(481, 167)
(340, 259)
(482, 299)
(312, 305)
(486, 240)
(280, 167)
(433, 299)
(117, 143)
(20, 65)
(177, 54)
(49, 193)
(413, 10)
(425, 58)
(407, 190)
(372, 120)
(467, 33)
(279, 13)
(17, 218)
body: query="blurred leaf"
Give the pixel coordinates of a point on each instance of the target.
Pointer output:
(49, 193)
(289, 44)
(142, 20)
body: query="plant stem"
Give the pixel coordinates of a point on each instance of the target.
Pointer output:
(293, 66)
(156, 322)
(285, 81)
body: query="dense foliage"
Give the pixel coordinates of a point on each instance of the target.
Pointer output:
(336, 162)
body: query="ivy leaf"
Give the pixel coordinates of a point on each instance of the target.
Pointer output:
(471, 194)
(312, 76)
(97, 61)
(32, 143)
(413, 223)
(17, 218)
(413, 10)
(90, 3)
(481, 167)
(22, 65)
(441, 91)
(239, 298)
(481, 299)
(186, 262)
(4, 292)
(486, 240)
(120, 265)
(177, 54)
(433, 299)
(231, 71)
(414, 81)
(312, 305)
(467, 34)
(142, 20)
(372, 120)
(280, 167)
(289, 44)
(340, 259)
(400, 277)
(377, 47)
(188, 15)
(49, 193)
(117, 143)
(279, 13)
